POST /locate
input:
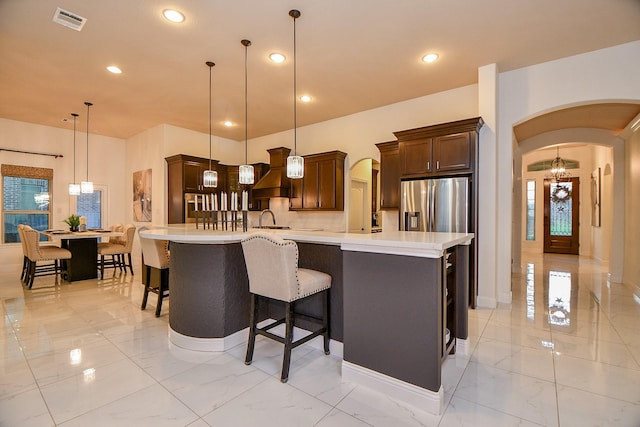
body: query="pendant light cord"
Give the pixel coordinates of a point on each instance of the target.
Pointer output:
(75, 116)
(295, 99)
(210, 64)
(246, 44)
(88, 104)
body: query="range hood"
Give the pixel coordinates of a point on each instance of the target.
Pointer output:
(275, 182)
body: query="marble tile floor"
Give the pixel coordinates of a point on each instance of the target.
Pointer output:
(566, 352)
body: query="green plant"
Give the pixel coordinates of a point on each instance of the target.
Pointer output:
(73, 221)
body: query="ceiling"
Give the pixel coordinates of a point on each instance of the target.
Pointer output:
(351, 56)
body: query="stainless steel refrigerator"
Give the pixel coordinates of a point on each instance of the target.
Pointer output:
(439, 204)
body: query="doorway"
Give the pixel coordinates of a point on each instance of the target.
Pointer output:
(92, 206)
(358, 204)
(561, 216)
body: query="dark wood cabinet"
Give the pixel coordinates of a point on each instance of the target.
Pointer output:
(445, 149)
(322, 187)
(259, 169)
(185, 175)
(389, 175)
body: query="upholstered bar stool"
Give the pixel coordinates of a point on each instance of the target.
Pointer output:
(155, 254)
(272, 267)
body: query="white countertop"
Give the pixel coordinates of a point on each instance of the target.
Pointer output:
(406, 243)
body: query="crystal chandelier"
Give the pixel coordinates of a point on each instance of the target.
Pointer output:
(558, 171)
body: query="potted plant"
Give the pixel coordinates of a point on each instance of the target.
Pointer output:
(73, 222)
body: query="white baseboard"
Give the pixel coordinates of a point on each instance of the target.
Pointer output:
(462, 347)
(240, 337)
(208, 344)
(486, 302)
(423, 399)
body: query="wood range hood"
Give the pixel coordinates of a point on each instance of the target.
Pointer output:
(275, 182)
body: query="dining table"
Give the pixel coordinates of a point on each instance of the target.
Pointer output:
(83, 246)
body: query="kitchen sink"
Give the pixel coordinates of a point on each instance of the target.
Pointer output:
(274, 227)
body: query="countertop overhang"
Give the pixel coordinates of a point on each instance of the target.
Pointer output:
(405, 243)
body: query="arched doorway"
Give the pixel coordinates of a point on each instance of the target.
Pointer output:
(592, 130)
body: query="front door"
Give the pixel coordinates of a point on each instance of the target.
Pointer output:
(561, 220)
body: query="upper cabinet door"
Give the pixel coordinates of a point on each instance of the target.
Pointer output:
(416, 157)
(389, 174)
(453, 152)
(193, 177)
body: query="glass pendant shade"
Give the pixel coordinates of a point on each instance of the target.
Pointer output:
(295, 167)
(246, 174)
(74, 189)
(210, 178)
(86, 187)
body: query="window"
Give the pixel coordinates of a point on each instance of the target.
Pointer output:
(26, 199)
(531, 209)
(89, 206)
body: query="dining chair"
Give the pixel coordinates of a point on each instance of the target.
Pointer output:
(51, 256)
(274, 275)
(116, 248)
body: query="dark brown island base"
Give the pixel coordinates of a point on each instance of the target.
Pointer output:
(393, 298)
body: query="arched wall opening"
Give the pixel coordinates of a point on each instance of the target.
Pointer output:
(597, 149)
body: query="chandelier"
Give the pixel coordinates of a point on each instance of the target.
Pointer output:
(558, 171)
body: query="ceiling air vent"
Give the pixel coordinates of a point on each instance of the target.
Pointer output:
(69, 19)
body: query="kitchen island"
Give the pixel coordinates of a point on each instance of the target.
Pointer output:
(388, 300)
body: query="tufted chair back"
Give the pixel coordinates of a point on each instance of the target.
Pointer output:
(272, 266)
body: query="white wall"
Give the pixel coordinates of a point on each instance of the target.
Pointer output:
(601, 236)
(631, 273)
(106, 166)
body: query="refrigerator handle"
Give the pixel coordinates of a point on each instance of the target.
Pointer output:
(432, 206)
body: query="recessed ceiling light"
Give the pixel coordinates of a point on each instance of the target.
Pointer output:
(173, 15)
(278, 58)
(113, 69)
(305, 98)
(228, 123)
(430, 57)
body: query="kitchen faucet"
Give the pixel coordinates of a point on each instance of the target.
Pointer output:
(264, 212)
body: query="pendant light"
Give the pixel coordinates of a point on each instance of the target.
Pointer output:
(74, 188)
(210, 177)
(295, 163)
(559, 168)
(246, 170)
(86, 187)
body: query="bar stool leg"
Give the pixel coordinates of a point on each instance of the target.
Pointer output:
(325, 320)
(146, 289)
(253, 319)
(288, 340)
